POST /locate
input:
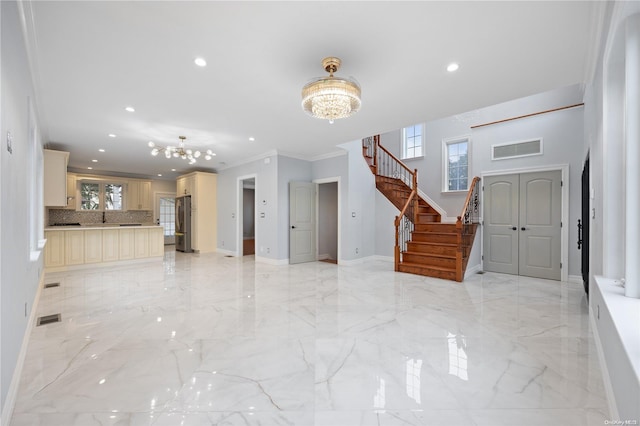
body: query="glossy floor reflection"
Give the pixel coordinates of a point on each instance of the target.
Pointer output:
(213, 340)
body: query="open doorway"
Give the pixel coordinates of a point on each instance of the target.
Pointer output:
(246, 215)
(328, 215)
(165, 214)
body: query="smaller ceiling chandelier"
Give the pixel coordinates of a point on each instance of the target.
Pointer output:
(180, 152)
(331, 98)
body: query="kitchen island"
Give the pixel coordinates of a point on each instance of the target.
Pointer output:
(82, 246)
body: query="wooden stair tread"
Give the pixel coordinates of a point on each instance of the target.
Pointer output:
(431, 243)
(435, 268)
(434, 232)
(438, 255)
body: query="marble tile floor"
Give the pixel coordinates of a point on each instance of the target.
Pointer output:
(213, 340)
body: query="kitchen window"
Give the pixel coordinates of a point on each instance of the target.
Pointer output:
(101, 196)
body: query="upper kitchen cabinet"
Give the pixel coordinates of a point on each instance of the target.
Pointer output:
(55, 178)
(72, 191)
(185, 185)
(139, 195)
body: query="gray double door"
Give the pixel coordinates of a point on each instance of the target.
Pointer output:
(522, 220)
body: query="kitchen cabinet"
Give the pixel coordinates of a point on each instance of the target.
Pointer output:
(139, 195)
(203, 190)
(93, 246)
(55, 178)
(185, 185)
(110, 245)
(156, 242)
(126, 245)
(74, 247)
(72, 191)
(141, 237)
(54, 249)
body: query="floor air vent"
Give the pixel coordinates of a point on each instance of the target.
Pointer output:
(48, 319)
(51, 285)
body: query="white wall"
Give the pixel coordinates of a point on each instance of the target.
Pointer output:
(328, 220)
(605, 118)
(248, 212)
(19, 274)
(266, 228)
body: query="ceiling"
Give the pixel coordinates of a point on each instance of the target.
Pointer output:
(90, 60)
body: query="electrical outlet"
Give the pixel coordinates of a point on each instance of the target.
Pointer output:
(9, 143)
(356, 250)
(268, 250)
(25, 309)
(598, 311)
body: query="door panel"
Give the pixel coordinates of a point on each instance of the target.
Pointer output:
(530, 203)
(500, 217)
(302, 218)
(540, 212)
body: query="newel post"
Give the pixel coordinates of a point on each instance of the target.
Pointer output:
(459, 276)
(396, 249)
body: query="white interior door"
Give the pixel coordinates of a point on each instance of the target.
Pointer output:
(165, 213)
(522, 215)
(540, 215)
(302, 222)
(501, 224)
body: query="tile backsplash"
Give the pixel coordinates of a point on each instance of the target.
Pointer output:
(57, 216)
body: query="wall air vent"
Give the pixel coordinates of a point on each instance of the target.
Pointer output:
(51, 285)
(48, 319)
(516, 149)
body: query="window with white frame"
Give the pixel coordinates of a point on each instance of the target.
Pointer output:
(412, 138)
(456, 164)
(101, 196)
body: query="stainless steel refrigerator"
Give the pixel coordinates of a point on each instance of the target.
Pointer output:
(183, 224)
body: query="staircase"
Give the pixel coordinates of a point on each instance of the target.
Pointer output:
(424, 245)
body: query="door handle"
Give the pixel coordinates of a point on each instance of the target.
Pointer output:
(293, 227)
(523, 229)
(514, 228)
(579, 235)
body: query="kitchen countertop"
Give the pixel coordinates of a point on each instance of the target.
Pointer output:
(90, 226)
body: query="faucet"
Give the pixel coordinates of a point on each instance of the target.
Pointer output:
(104, 217)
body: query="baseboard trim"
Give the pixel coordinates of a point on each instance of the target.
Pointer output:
(323, 257)
(275, 262)
(606, 378)
(12, 392)
(473, 270)
(574, 279)
(226, 252)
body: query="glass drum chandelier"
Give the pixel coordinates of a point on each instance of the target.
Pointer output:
(180, 152)
(331, 98)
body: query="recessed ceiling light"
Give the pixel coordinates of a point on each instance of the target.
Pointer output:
(130, 109)
(90, 168)
(173, 170)
(251, 139)
(111, 135)
(94, 161)
(200, 62)
(101, 150)
(159, 174)
(453, 67)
